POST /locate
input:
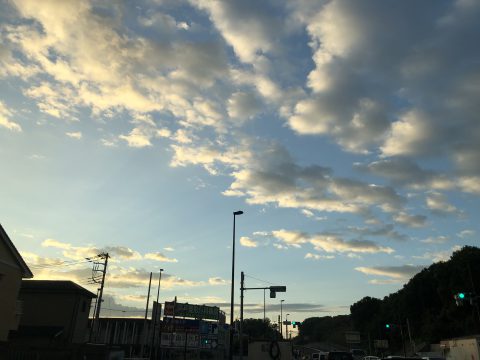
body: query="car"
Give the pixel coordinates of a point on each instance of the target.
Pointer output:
(339, 355)
(319, 356)
(358, 354)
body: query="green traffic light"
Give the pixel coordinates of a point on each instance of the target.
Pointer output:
(461, 295)
(387, 326)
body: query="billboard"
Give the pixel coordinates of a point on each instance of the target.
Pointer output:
(191, 311)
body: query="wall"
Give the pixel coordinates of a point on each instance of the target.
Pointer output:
(10, 281)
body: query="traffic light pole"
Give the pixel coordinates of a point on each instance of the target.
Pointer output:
(273, 291)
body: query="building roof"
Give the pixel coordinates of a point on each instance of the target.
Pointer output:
(54, 286)
(26, 273)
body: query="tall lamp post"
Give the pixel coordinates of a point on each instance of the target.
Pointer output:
(235, 213)
(286, 325)
(281, 317)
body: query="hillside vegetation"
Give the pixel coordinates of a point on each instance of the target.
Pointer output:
(426, 301)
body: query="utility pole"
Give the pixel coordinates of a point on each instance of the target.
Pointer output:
(281, 317)
(145, 332)
(159, 308)
(242, 286)
(98, 267)
(264, 305)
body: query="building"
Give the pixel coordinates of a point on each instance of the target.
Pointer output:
(54, 312)
(12, 269)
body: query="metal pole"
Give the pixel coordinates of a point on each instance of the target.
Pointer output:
(159, 308)
(264, 305)
(101, 291)
(281, 318)
(232, 286)
(286, 325)
(242, 283)
(144, 342)
(403, 341)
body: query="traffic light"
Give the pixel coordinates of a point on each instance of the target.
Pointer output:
(275, 289)
(459, 298)
(387, 326)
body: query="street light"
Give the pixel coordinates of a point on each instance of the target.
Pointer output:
(235, 213)
(286, 326)
(281, 318)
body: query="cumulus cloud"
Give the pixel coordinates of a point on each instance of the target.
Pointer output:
(330, 243)
(437, 203)
(74, 135)
(415, 221)
(363, 73)
(318, 256)
(160, 257)
(436, 256)
(395, 273)
(436, 240)
(5, 119)
(247, 242)
(270, 175)
(217, 281)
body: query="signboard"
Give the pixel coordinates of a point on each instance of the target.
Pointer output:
(352, 337)
(380, 344)
(191, 310)
(178, 340)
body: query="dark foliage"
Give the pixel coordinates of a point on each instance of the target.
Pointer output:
(427, 302)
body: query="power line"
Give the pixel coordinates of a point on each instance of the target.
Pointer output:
(64, 263)
(264, 281)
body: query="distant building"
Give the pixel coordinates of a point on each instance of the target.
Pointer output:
(12, 269)
(54, 312)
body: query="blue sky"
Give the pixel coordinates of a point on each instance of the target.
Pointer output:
(347, 131)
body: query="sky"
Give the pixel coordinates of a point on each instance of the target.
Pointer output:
(347, 131)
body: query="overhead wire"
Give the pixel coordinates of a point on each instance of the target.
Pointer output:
(264, 281)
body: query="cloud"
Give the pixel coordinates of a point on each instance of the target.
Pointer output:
(270, 175)
(396, 273)
(217, 281)
(466, 233)
(160, 257)
(415, 221)
(403, 171)
(438, 255)
(436, 240)
(247, 242)
(386, 230)
(437, 203)
(373, 91)
(318, 256)
(330, 243)
(243, 106)
(5, 119)
(74, 135)
(56, 244)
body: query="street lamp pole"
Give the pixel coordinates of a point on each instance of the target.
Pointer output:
(232, 286)
(281, 317)
(286, 325)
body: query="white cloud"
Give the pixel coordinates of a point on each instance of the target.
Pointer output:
(318, 256)
(160, 257)
(5, 119)
(437, 202)
(466, 233)
(247, 242)
(217, 281)
(329, 243)
(436, 240)
(74, 135)
(403, 272)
